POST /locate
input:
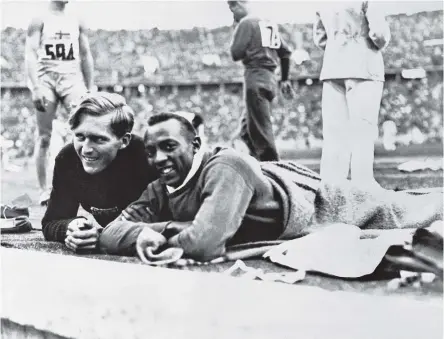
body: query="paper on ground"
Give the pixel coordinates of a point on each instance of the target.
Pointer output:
(337, 250)
(256, 273)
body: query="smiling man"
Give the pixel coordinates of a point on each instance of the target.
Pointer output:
(103, 170)
(204, 201)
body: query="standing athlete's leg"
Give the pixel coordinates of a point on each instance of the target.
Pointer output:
(336, 151)
(70, 88)
(363, 99)
(259, 125)
(240, 140)
(47, 85)
(44, 130)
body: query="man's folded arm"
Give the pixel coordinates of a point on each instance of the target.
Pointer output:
(62, 208)
(226, 197)
(119, 236)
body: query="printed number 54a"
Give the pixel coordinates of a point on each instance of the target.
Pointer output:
(59, 52)
(270, 35)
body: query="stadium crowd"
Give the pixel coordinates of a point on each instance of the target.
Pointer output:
(408, 102)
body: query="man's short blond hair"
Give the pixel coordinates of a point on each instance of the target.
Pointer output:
(103, 103)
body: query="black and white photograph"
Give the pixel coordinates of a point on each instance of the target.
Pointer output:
(221, 169)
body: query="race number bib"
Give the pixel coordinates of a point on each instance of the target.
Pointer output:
(59, 51)
(270, 35)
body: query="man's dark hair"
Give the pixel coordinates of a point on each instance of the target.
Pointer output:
(187, 128)
(197, 121)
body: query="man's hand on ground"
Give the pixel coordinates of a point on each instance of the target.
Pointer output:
(38, 99)
(287, 90)
(82, 234)
(149, 238)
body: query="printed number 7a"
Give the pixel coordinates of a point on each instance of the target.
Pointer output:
(270, 35)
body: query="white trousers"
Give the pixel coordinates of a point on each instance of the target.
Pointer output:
(350, 109)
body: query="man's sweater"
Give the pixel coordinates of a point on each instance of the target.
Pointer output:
(228, 201)
(104, 194)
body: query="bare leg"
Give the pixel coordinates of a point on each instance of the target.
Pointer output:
(44, 124)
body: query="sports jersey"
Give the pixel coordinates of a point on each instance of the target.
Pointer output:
(59, 45)
(258, 44)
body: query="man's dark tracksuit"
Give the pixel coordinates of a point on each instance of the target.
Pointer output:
(260, 47)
